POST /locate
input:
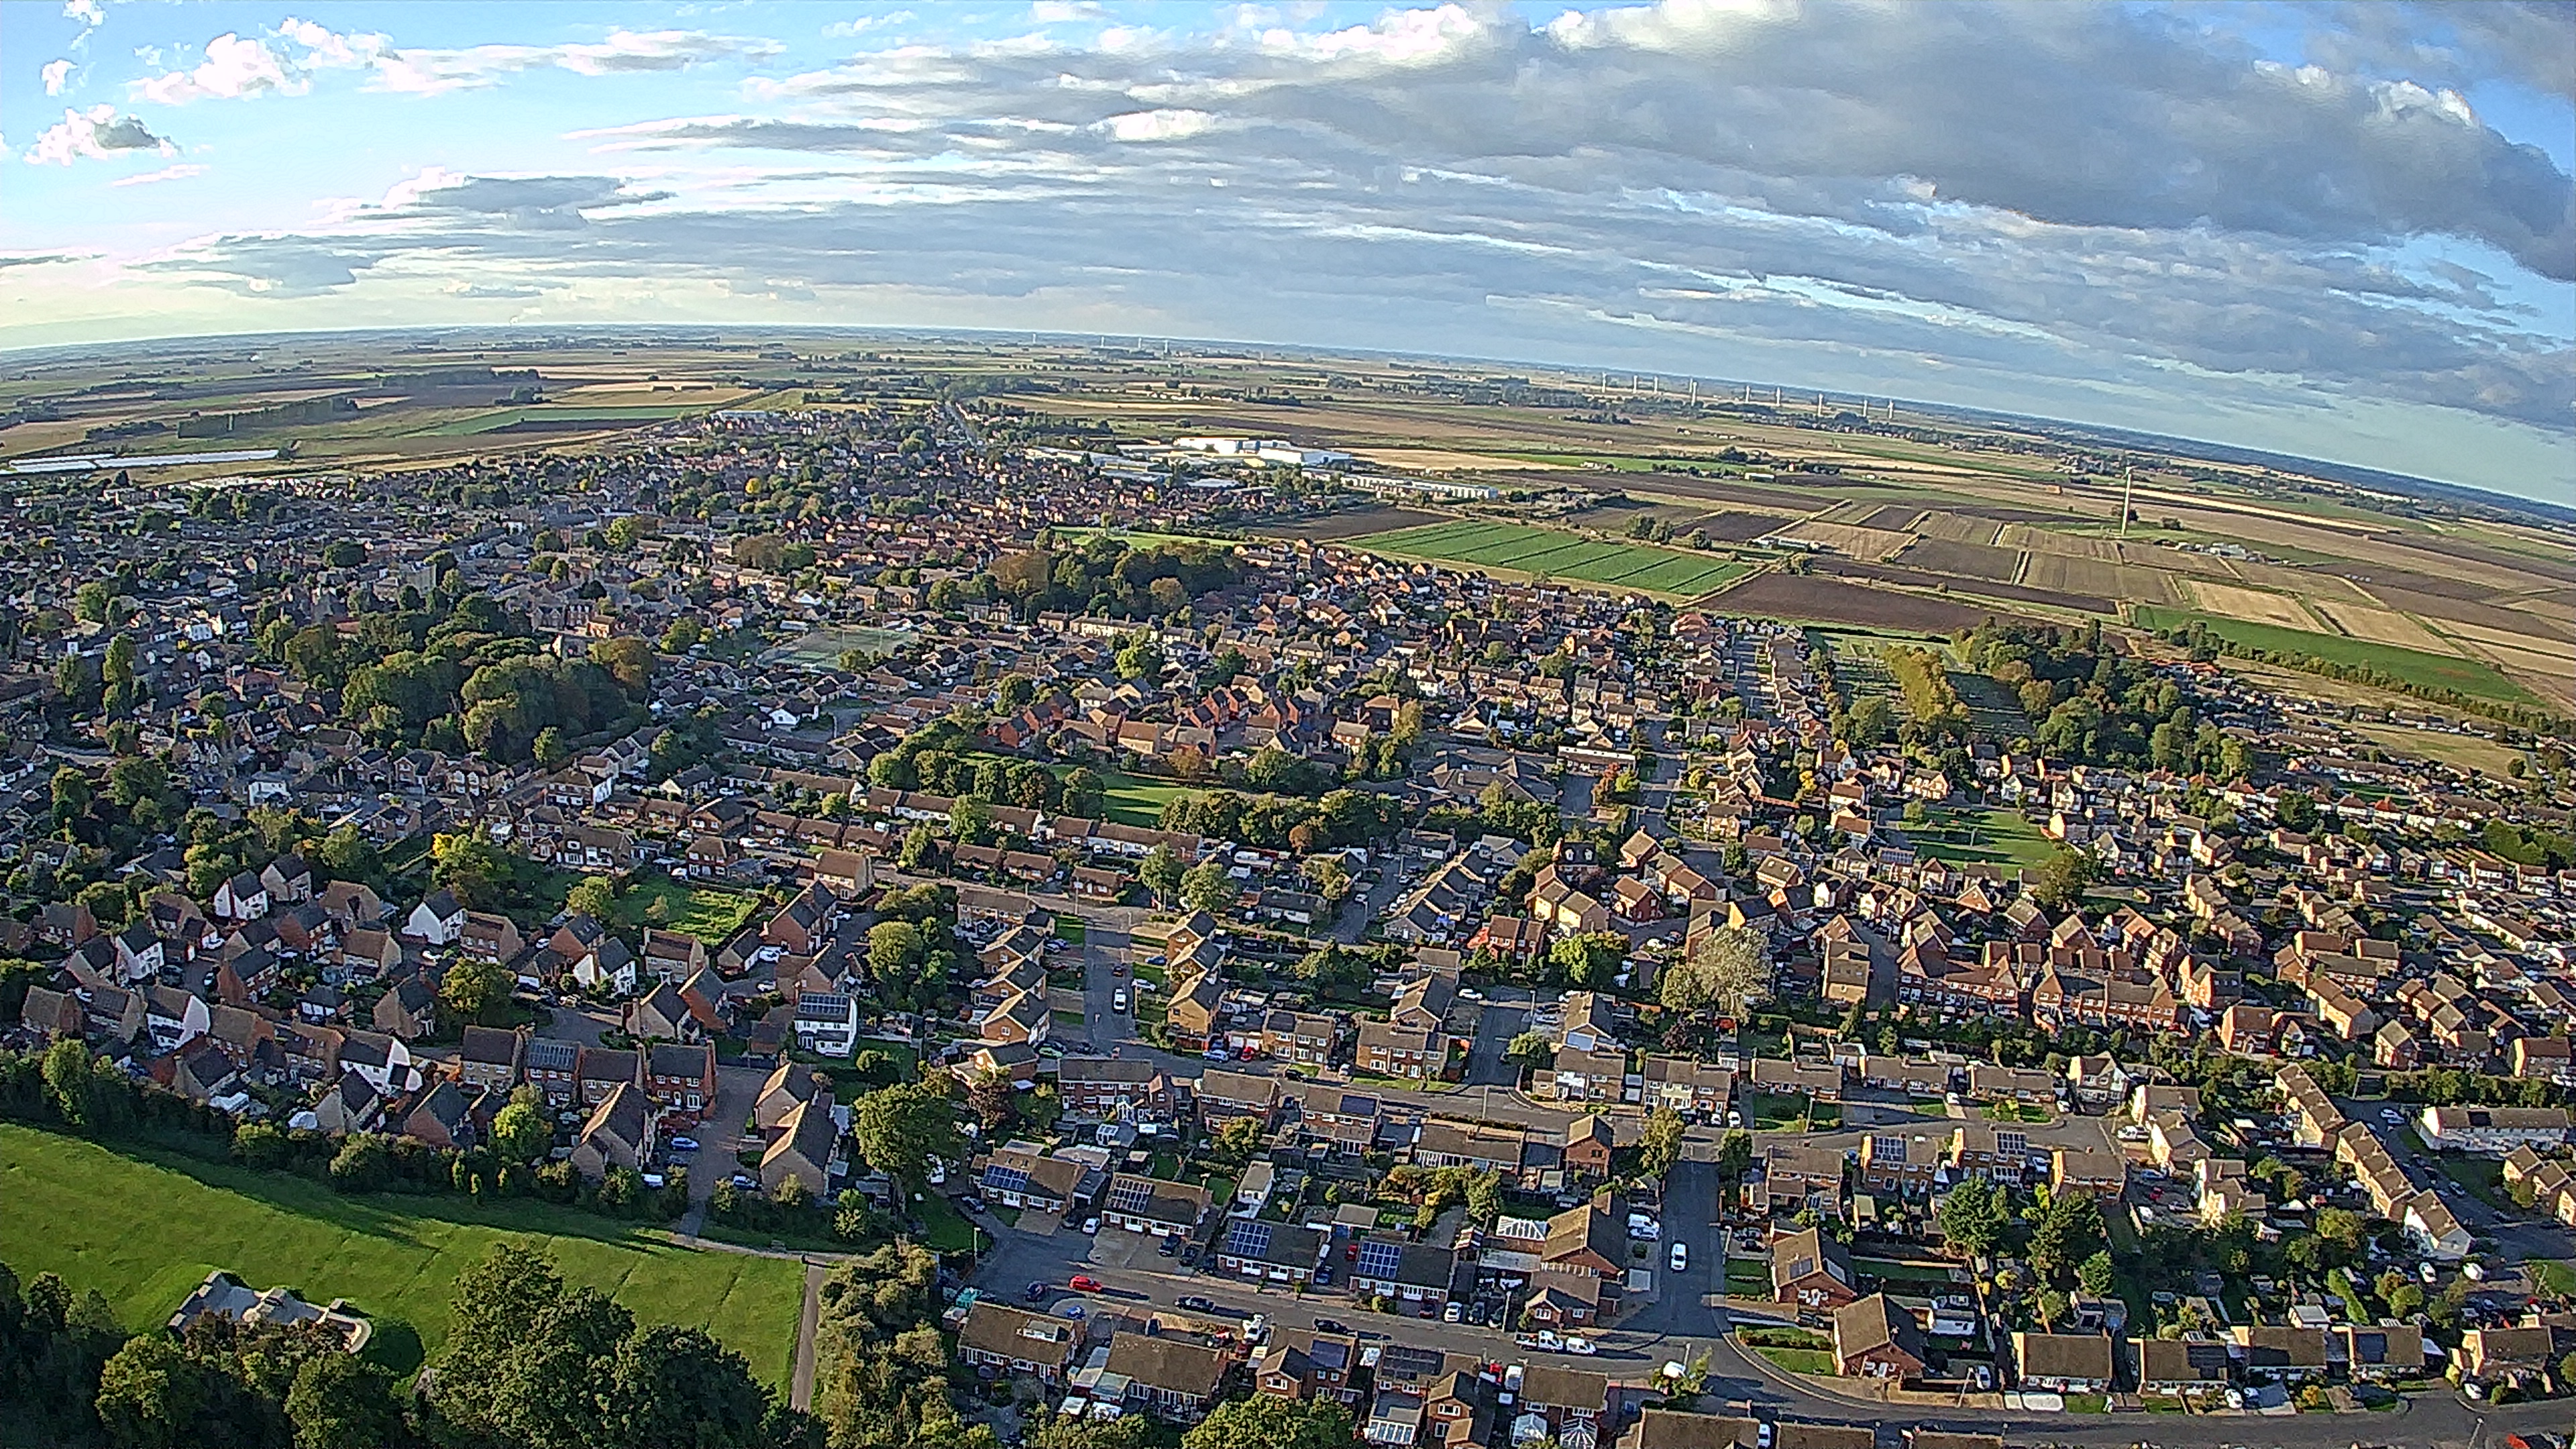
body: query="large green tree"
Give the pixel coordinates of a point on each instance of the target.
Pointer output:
(1265, 1421)
(901, 1128)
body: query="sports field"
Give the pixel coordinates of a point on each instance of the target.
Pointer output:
(146, 1230)
(2467, 676)
(709, 913)
(1519, 548)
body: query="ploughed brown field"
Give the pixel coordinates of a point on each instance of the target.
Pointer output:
(1832, 601)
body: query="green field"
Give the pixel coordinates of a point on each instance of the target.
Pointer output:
(1521, 549)
(823, 648)
(1975, 837)
(1801, 1360)
(710, 914)
(2440, 671)
(146, 1230)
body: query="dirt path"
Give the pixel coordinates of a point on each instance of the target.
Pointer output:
(800, 1392)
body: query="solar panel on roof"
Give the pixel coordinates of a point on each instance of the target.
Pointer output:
(998, 1178)
(1130, 1196)
(1248, 1239)
(1378, 1260)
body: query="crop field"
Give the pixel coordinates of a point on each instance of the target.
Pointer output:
(2063, 573)
(1810, 598)
(1958, 528)
(558, 419)
(1523, 549)
(2381, 626)
(145, 1230)
(1964, 560)
(2250, 606)
(1850, 539)
(2468, 676)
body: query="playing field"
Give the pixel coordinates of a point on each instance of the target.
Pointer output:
(145, 1232)
(710, 914)
(2467, 676)
(1522, 549)
(1981, 837)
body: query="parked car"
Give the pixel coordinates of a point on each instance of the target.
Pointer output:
(1084, 1283)
(1169, 1247)
(1214, 1054)
(1680, 1256)
(1454, 1313)
(1091, 1226)
(1118, 999)
(684, 1144)
(1037, 1292)
(1331, 1325)
(1072, 1310)
(1581, 1347)
(1547, 1341)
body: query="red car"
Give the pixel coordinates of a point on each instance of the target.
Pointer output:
(1084, 1283)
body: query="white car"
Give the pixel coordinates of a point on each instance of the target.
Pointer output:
(1118, 999)
(1580, 1347)
(1091, 1226)
(1548, 1340)
(1680, 1257)
(1454, 1312)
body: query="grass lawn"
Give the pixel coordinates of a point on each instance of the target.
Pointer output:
(1801, 1360)
(2087, 1404)
(942, 1228)
(1776, 1112)
(2483, 1177)
(145, 1229)
(1748, 1278)
(1893, 1271)
(1071, 928)
(2441, 671)
(1519, 549)
(706, 912)
(1990, 836)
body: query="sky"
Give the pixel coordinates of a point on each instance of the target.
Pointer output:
(2339, 230)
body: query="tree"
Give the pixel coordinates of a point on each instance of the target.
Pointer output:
(520, 1133)
(994, 1101)
(470, 868)
(1660, 1146)
(1591, 959)
(1161, 872)
(2095, 1273)
(901, 1128)
(549, 749)
(1972, 1218)
(1239, 1138)
(476, 990)
(2060, 880)
(1530, 1049)
(340, 1401)
(1735, 1155)
(1728, 969)
(1484, 1198)
(669, 1385)
(2295, 811)
(149, 1393)
(594, 896)
(71, 795)
(2069, 1231)
(1265, 1421)
(895, 951)
(1207, 888)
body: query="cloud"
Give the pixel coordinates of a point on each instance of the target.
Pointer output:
(435, 72)
(57, 74)
(98, 133)
(236, 66)
(233, 68)
(1175, 125)
(1065, 12)
(2078, 210)
(180, 172)
(87, 13)
(862, 24)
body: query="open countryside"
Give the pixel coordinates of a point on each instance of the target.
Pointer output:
(1527, 551)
